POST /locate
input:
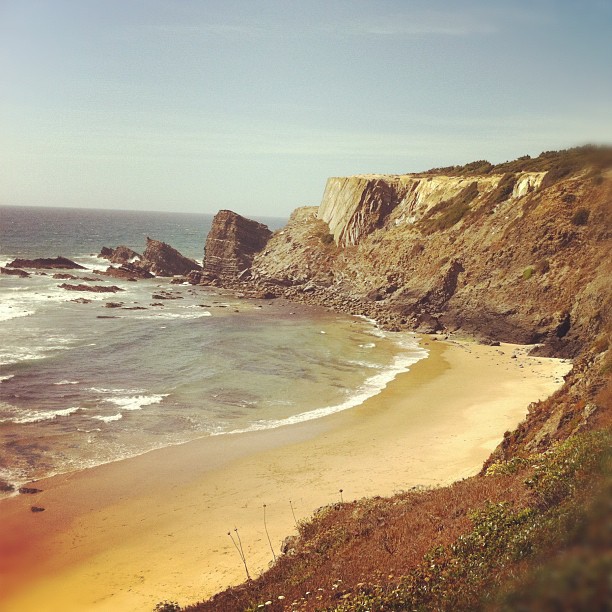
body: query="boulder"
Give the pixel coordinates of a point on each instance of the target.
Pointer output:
(161, 259)
(46, 263)
(232, 243)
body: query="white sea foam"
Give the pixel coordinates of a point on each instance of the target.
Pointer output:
(136, 402)
(13, 311)
(20, 354)
(175, 315)
(365, 364)
(108, 419)
(104, 390)
(368, 345)
(6, 377)
(67, 382)
(35, 416)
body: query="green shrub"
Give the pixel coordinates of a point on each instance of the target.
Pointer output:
(528, 272)
(447, 213)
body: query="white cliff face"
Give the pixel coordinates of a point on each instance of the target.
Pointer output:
(526, 183)
(355, 206)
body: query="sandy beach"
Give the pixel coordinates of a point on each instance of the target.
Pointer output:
(129, 534)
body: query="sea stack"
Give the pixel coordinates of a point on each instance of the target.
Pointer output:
(232, 243)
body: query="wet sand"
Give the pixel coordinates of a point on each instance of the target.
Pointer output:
(127, 535)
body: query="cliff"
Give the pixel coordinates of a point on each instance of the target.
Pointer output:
(513, 256)
(231, 244)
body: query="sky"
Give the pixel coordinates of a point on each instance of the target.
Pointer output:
(200, 105)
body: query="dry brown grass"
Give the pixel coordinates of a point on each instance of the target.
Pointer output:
(375, 539)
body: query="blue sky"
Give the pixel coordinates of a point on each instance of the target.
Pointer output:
(191, 105)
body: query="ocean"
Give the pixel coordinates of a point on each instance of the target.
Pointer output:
(82, 383)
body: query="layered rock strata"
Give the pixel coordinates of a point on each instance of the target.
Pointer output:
(232, 243)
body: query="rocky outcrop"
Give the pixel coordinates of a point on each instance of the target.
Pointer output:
(161, 259)
(14, 272)
(46, 263)
(128, 271)
(232, 243)
(121, 254)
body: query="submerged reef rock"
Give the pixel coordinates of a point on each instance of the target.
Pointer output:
(161, 259)
(46, 263)
(232, 243)
(92, 288)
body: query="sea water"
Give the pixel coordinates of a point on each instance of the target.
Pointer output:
(82, 383)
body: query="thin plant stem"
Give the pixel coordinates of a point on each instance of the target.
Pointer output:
(240, 550)
(293, 512)
(266, 528)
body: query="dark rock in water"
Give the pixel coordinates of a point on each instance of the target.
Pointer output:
(37, 509)
(65, 276)
(128, 271)
(134, 308)
(46, 263)
(29, 490)
(166, 296)
(232, 243)
(120, 254)
(163, 260)
(6, 487)
(113, 304)
(81, 301)
(93, 288)
(15, 272)
(107, 317)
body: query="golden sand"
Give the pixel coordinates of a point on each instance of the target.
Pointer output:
(127, 535)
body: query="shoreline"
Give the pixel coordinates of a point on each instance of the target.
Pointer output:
(126, 535)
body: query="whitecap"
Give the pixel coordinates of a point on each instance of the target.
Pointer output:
(35, 416)
(107, 419)
(67, 382)
(136, 402)
(6, 377)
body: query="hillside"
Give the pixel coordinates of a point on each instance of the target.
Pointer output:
(518, 252)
